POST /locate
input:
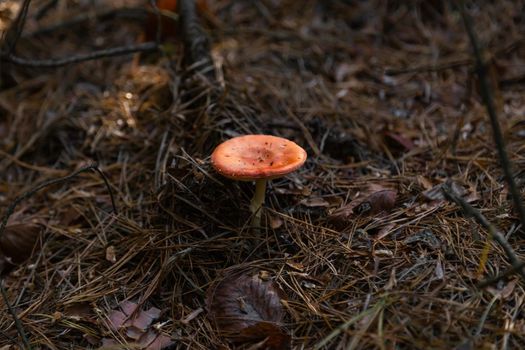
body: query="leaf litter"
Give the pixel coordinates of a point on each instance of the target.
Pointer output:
(323, 73)
(247, 308)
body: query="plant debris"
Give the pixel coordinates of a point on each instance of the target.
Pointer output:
(382, 95)
(17, 243)
(136, 326)
(246, 308)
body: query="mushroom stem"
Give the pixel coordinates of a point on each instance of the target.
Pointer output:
(257, 201)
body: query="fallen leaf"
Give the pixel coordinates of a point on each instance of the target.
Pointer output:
(247, 308)
(128, 307)
(160, 342)
(274, 336)
(79, 311)
(117, 319)
(398, 141)
(16, 244)
(375, 200)
(144, 318)
(436, 192)
(384, 231)
(136, 327)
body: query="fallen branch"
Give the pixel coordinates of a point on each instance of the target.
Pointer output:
(197, 53)
(18, 323)
(58, 62)
(494, 232)
(486, 95)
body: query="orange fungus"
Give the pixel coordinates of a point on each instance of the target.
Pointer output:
(253, 157)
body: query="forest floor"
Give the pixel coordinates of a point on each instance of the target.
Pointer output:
(359, 244)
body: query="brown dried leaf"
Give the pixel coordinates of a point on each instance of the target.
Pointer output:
(246, 308)
(17, 243)
(376, 199)
(436, 192)
(128, 307)
(398, 141)
(160, 342)
(80, 311)
(117, 319)
(274, 336)
(144, 318)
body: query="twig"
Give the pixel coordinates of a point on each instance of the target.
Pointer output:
(58, 62)
(18, 323)
(12, 206)
(486, 95)
(494, 233)
(197, 53)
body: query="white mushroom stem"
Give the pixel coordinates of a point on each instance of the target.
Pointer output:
(257, 202)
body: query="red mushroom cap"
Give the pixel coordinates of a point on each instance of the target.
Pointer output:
(252, 157)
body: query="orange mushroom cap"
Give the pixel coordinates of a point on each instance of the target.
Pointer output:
(252, 157)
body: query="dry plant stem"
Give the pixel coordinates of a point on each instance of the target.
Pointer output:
(257, 202)
(58, 62)
(486, 95)
(12, 206)
(18, 324)
(494, 233)
(197, 51)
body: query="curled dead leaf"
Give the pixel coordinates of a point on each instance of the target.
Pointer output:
(246, 308)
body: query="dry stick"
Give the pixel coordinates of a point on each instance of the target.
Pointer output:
(486, 95)
(495, 234)
(58, 62)
(18, 324)
(197, 53)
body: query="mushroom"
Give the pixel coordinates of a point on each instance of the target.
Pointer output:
(257, 158)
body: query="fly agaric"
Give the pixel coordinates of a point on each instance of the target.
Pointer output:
(257, 158)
